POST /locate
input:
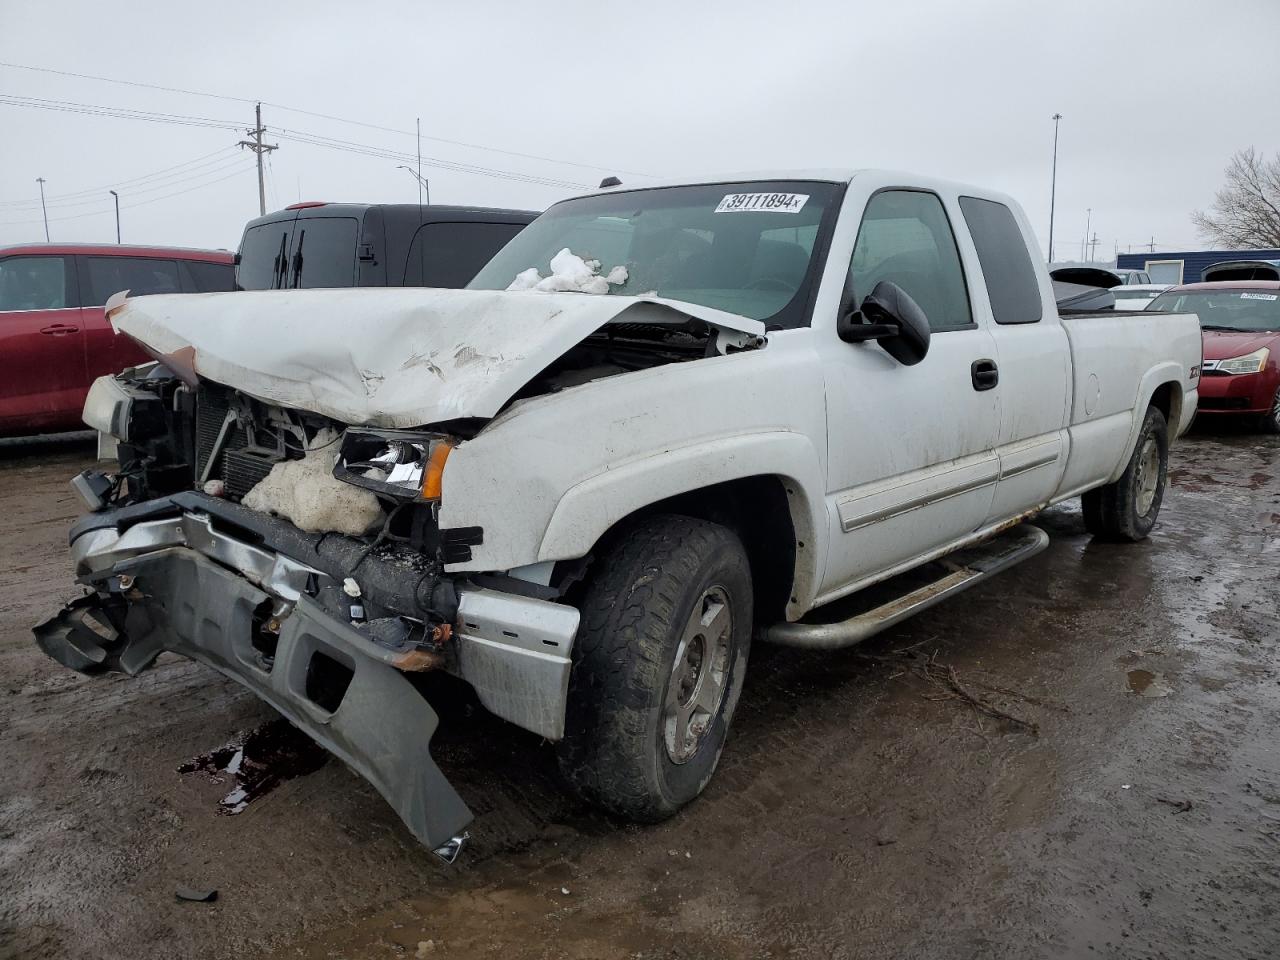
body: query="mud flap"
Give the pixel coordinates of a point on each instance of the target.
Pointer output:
(374, 719)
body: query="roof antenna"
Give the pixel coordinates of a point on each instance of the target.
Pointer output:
(610, 182)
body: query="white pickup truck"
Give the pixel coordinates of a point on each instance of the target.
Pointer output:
(659, 423)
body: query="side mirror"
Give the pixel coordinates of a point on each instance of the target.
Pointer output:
(889, 316)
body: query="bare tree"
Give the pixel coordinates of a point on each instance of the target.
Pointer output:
(1246, 211)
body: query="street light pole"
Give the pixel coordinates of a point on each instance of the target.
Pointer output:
(1053, 183)
(117, 196)
(423, 183)
(43, 211)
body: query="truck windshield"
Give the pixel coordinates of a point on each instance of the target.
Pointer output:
(754, 248)
(1245, 310)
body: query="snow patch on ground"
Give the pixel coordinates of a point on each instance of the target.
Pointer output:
(570, 274)
(306, 493)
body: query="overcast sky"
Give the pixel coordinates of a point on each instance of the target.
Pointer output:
(1155, 96)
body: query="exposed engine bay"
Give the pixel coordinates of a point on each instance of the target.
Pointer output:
(277, 508)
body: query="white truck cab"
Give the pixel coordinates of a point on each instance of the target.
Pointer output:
(659, 423)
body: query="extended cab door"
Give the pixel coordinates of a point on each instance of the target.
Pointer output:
(1033, 354)
(911, 449)
(43, 380)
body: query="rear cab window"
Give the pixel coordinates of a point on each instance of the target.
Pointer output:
(34, 283)
(1012, 285)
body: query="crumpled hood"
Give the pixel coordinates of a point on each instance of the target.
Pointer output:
(1225, 344)
(397, 357)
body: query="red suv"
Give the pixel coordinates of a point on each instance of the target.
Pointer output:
(54, 336)
(1241, 324)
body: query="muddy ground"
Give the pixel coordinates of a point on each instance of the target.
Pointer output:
(859, 811)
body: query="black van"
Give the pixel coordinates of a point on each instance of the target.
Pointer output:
(310, 245)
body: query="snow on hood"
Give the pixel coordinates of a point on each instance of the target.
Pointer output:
(390, 357)
(572, 274)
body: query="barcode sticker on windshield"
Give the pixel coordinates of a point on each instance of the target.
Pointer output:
(1259, 296)
(762, 203)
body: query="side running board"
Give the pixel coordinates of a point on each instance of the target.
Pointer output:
(958, 571)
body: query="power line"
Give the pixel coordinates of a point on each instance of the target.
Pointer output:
(353, 146)
(129, 206)
(323, 116)
(125, 113)
(142, 184)
(296, 135)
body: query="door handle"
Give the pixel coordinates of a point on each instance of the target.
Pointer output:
(985, 374)
(58, 329)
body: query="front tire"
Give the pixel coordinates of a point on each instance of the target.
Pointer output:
(658, 666)
(1270, 422)
(1127, 509)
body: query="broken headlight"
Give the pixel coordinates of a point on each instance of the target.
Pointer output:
(398, 463)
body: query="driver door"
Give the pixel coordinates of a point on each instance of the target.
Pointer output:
(912, 465)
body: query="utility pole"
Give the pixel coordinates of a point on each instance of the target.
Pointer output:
(1088, 222)
(1093, 247)
(43, 211)
(117, 196)
(1151, 247)
(1053, 182)
(258, 147)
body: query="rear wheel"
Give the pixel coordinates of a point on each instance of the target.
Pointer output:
(1127, 509)
(658, 666)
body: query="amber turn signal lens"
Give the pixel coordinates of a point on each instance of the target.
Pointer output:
(433, 479)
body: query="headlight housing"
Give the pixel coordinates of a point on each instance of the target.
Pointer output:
(1249, 363)
(403, 464)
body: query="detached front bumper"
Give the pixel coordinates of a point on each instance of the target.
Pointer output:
(260, 601)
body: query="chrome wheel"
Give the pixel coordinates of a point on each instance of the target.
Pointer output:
(699, 675)
(1148, 478)
(1275, 411)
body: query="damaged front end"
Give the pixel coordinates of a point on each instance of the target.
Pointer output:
(328, 627)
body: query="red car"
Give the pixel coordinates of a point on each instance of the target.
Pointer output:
(1241, 324)
(54, 337)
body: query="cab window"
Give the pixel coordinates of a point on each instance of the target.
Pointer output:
(1012, 285)
(906, 238)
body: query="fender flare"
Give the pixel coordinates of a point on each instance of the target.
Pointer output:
(1152, 380)
(589, 508)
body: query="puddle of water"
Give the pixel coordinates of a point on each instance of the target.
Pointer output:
(258, 761)
(1146, 683)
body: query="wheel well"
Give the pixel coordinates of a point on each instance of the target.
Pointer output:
(758, 511)
(1168, 400)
